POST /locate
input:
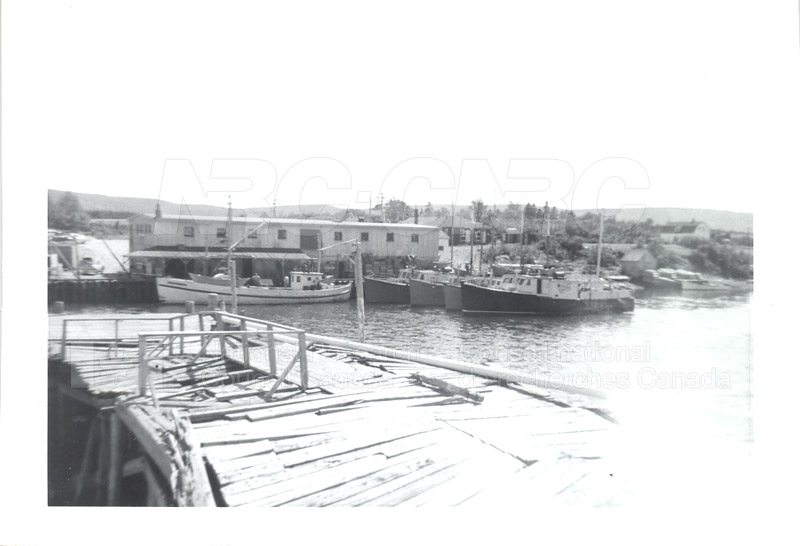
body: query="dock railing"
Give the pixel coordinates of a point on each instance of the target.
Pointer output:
(248, 332)
(118, 335)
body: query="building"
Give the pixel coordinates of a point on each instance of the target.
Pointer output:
(458, 229)
(176, 245)
(635, 262)
(673, 232)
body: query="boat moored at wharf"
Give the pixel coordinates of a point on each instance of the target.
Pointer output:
(305, 287)
(546, 294)
(390, 290)
(216, 409)
(427, 287)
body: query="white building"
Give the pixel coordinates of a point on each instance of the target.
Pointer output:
(179, 244)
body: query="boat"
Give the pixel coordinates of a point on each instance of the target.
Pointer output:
(426, 287)
(703, 285)
(680, 279)
(452, 296)
(391, 290)
(452, 290)
(218, 280)
(305, 287)
(545, 293)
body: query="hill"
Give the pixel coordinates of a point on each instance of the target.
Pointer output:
(137, 205)
(716, 219)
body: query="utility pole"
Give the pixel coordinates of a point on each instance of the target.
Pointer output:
(452, 234)
(600, 246)
(359, 273)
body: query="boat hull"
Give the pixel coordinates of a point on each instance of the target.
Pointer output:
(179, 291)
(385, 291)
(478, 299)
(452, 297)
(426, 293)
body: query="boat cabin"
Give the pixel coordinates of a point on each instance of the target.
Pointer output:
(559, 287)
(305, 280)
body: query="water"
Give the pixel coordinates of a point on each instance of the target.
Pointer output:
(691, 354)
(677, 371)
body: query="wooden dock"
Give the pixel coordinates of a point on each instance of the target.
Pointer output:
(216, 409)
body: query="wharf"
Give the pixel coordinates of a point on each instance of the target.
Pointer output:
(214, 409)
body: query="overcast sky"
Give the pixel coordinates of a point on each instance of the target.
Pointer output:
(423, 103)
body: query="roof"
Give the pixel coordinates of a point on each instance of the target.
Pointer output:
(680, 227)
(444, 222)
(189, 253)
(636, 254)
(255, 220)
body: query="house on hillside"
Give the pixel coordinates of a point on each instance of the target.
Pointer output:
(458, 229)
(673, 232)
(635, 262)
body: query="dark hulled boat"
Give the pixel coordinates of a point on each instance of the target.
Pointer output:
(427, 287)
(546, 295)
(393, 290)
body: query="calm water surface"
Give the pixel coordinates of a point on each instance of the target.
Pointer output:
(677, 363)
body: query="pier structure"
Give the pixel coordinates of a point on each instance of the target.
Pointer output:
(215, 409)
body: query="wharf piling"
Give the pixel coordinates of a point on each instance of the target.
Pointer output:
(123, 290)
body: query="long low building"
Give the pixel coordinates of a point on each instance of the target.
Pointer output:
(180, 244)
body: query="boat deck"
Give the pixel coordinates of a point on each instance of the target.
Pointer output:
(226, 424)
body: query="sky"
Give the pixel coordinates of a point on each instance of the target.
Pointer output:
(580, 104)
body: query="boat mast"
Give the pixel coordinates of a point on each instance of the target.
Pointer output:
(452, 234)
(600, 246)
(231, 263)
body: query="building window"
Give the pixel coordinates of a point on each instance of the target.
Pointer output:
(221, 232)
(188, 231)
(364, 236)
(337, 236)
(441, 248)
(139, 228)
(253, 235)
(415, 239)
(281, 234)
(390, 237)
(148, 228)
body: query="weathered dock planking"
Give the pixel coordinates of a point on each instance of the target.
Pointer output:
(232, 411)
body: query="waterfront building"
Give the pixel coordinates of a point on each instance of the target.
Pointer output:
(177, 245)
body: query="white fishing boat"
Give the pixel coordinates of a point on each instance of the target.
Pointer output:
(305, 287)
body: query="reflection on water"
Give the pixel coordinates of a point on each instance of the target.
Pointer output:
(680, 365)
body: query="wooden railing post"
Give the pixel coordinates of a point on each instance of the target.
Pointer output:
(301, 338)
(64, 340)
(181, 323)
(143, 367)
(245, 349)
(170, 337)
(273, 361)
(202, 345)
(116, 439)
(221, 328)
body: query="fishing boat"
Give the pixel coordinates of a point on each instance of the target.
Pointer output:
(452, 290)
(218, 280)
(426, 287)
(703, 285)
(546, 294)
(391, 290)
(305, 287)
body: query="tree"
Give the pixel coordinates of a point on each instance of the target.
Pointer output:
(396, 210)
(478, 208)
(66, 213)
